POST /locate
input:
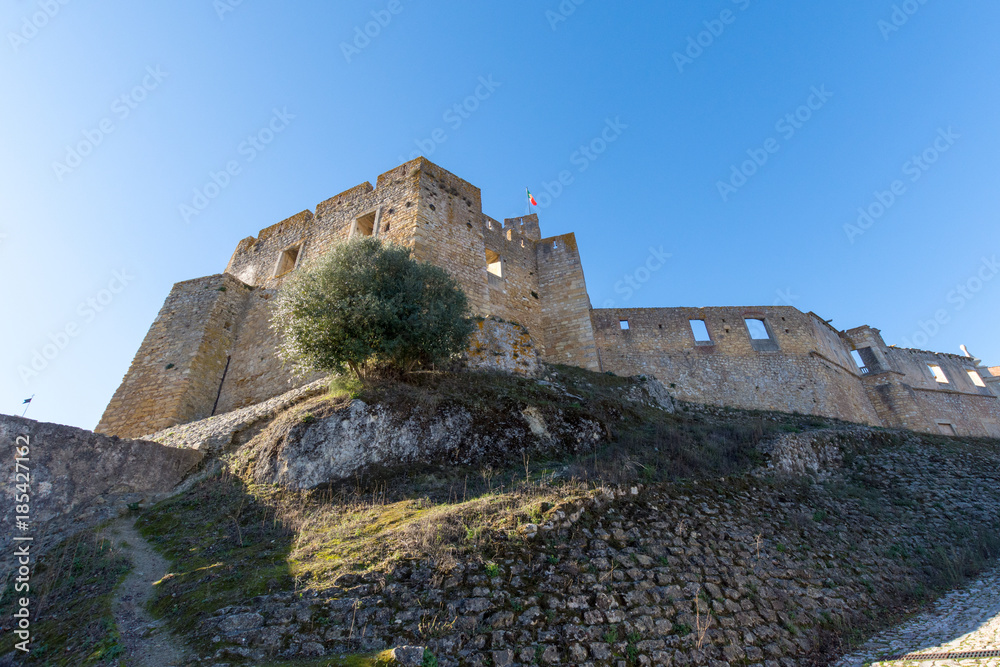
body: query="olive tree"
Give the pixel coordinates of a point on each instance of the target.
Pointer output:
(372, 308)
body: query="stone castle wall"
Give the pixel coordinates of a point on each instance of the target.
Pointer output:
(566, 326)
(220, 342)
(176, 373)
(514, 295)
(803, 366)
(214, 333)
(906, 394)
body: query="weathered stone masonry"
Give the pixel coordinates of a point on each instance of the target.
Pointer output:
(211, 349)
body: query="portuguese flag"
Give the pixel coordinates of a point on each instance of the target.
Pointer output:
(531, 198)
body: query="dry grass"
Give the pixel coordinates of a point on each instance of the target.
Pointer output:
(336, 534)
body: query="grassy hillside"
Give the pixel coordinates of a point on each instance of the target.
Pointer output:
(528, 559)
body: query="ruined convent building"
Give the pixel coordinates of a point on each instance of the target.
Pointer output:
(211, 349)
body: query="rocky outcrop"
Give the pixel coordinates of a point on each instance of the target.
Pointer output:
(331, 441)
(72, 479)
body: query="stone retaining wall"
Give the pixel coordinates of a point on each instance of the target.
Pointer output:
(754, 570)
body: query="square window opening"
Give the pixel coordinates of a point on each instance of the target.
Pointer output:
(623, 325)
(365, 225)
(757, 328)
(287, 261)
(976, 378)
(700, 331)
(938, 374)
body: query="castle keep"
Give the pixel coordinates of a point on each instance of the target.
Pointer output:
(211, 350)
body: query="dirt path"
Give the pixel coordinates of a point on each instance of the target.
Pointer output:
(962, 628)
(147, 642)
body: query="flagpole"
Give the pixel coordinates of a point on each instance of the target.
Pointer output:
(27, 406)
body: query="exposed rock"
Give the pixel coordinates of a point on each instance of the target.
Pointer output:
(651, 391)
(412, 656)
(340, 441)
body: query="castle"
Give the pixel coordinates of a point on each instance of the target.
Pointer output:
(211, 349)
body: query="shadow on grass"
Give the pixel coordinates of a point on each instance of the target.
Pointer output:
(70, 594)
(226, 545)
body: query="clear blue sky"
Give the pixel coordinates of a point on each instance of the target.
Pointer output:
(200, 77)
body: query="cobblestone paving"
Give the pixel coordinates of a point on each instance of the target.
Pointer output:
(965, 620)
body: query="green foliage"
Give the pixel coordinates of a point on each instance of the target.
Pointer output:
(429, 660)
(347, 386)
(631, 650)
(492, 569)
(371, 308)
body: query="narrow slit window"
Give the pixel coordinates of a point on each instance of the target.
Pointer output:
(700, 331)
(494, 263)
(287, 261)
(757, 329)
(623, 325)
(976, 378)
(938, 374)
